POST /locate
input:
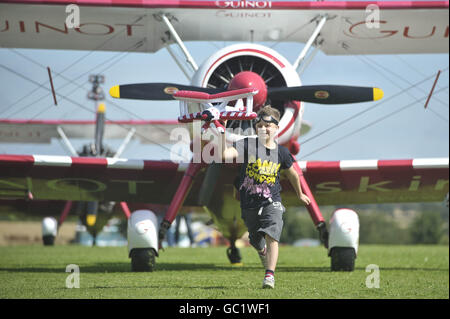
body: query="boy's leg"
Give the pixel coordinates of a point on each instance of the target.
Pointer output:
(256, 238)
(272, 257)
(257, 241)
(252, 223)
(272, 253)
(272, 225)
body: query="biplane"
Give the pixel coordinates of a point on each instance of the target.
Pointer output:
(231, 84)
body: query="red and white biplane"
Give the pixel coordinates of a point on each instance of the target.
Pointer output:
(231, 84)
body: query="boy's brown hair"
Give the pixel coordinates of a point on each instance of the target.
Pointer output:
(269, 111)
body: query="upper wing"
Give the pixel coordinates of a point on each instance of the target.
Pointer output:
(42, 131)
(398, 26)
(374, 181)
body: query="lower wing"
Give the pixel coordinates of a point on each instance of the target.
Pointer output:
(145, 181)
(373, 181)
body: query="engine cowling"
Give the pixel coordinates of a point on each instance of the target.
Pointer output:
(220, 68)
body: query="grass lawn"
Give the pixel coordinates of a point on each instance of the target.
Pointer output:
(302, 272)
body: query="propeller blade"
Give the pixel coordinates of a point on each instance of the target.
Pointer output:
(326, 94)
(155, 91)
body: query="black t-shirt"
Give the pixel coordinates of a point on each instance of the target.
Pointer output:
(259, 176)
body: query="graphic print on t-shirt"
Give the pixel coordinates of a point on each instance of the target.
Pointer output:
(259, 175)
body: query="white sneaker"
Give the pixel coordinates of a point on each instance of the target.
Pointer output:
(269, 282)
(263, 257)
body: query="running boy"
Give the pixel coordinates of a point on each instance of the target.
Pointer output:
(259, 187)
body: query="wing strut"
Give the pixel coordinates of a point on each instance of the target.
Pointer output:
(310, 42)
(125, 143)
(64, 213)
(309, 58)
(174, 57)
(178, 199)
(180, 43)
(313, 208)
(66, 141)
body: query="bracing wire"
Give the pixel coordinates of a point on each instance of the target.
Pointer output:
(88, 109)
(369, 125)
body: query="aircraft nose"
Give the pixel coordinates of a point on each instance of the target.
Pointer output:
(248, 79)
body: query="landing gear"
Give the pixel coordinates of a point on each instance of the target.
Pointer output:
(234, 255)
(342, 258)
(142, 259)
(343, 239)
(49, 230)
(142, 240)
(49, 240)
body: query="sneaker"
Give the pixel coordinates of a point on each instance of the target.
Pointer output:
(269, 282)
(263, 257)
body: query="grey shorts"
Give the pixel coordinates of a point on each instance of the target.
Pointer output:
(269, 221)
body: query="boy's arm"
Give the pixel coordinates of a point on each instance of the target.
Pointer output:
(295, 182)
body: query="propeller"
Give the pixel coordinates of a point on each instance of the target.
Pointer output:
(320, 94)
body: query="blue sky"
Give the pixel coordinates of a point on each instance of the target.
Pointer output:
(414, 132)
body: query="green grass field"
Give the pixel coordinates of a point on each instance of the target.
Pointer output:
(39, 272)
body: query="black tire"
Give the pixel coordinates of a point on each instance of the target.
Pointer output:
(48, 240)
(142, 259)
(342, 259)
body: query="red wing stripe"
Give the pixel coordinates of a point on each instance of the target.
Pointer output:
(354, 165)
(79, 162)
(395, 164)
(90, 161)
(15, 159)
(45, 160)
(322, 166)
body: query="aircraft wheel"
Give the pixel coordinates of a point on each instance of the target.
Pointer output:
(48, 240)
(234, 255)
(142, 259)
(342, 259)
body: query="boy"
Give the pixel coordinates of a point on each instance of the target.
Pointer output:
(259, 187)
